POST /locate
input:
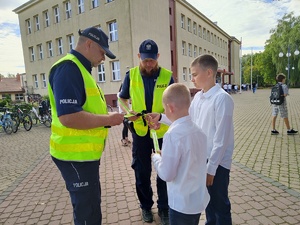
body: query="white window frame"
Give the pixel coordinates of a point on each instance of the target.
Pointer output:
(195, 51)
(200, 31)
(113, 31)
(190, 74)
(28, 26)
(40, 50)
(195, 28)
(32, 55)
(37, 22)
(182, 21)
(19, 97)
(95, 4)
(60, 46)
(68, 9)
(50, 48)
(35, 81)
(44, 80)
(71, 41)
(190, 49)
(56, 14)
(183, 48)
(115, 68)
(80, 6)
(47, 19)
(189, 25)
(184, 71)
(101, 73)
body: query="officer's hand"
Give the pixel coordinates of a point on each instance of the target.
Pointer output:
(152, 119)
(115, 118)
(209, 180)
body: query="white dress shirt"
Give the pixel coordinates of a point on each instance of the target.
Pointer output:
(183, 166)
(212, 111)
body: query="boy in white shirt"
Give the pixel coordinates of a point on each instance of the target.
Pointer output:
(182, 163)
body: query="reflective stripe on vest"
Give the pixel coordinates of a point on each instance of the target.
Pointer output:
(137, 94)
(72, 144)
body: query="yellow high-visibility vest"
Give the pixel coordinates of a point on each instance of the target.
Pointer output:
(137, 95)
(70, 144)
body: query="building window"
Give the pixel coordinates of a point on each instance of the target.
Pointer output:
(208, 36)
(195, 28)
(68, 9)
(195, 51)
(204, 33)
(190, 74)
(101, 73)
(184, 73)
(60, 46)
(113, 31)
(183, 48)
(190, 49)
(47, 19)
(71, 41)
(200, 50)
(28, 26)
(80, 6)
(189, 24)
(35, 81)
(44, 81)
(182, 21)
(50, 49)
(56, 14)
(31, 51)
(115, 67)
(37, 23)
(19, 97)
(40, 50)
(95, 3)
(200, 31)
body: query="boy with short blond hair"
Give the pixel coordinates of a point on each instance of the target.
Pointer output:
(182, 163)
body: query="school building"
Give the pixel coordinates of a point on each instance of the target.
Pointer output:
(49, 30)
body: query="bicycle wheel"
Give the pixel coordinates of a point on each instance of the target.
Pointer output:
(7, 126)
(15, 126)
(46, 120)
(27, 122)
(33, 117)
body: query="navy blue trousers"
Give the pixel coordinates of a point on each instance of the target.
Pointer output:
(178, 218)
(83, 183)
(141, 164)
(218, 209)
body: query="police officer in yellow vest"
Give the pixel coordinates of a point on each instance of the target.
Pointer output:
(79, 123)
(144, 85)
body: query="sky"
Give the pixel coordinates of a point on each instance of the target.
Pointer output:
(247, 20)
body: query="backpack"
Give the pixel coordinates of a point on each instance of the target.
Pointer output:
(277, 97)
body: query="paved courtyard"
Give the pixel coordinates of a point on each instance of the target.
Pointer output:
(264, 187)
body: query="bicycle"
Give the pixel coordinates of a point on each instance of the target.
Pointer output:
(8, 124)
(44, 115)
(22, 117)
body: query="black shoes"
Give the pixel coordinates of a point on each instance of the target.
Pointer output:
(147, 216)
(289, 132)
(164, 216)
(292, 131)
(274, 132)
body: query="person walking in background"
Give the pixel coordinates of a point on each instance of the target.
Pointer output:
(254, 87)
(79, 123)
(282, 109)
(144, 85)
(125, 141)
(182, 162)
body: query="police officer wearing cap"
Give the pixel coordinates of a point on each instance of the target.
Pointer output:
(144, 85)
(79, 123)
